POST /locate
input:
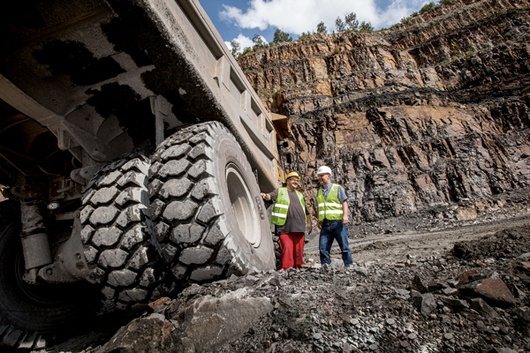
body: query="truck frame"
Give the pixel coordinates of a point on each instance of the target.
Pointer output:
(132, 154)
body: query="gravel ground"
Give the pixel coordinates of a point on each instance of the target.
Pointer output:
(382, 303)
(404, 293)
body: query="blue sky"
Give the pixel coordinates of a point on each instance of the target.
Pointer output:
(243, 19)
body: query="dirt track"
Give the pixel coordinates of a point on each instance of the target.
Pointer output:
(395, 248)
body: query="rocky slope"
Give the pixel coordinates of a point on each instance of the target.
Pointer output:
(430, 117)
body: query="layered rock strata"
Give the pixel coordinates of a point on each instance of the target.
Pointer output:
(430, 117)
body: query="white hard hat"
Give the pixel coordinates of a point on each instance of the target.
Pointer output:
(324, 170)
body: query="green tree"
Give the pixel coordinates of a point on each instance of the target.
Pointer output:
(321, 28)
(235, 47)
(366, 27)
(340, 25)
(281, 37)
(427, 7)
(246, 51)
(258, 41)
(351, 21)
(304, 35)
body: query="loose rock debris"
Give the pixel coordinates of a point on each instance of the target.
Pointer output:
(473, 298)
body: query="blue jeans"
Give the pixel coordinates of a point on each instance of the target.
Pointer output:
(334, 230)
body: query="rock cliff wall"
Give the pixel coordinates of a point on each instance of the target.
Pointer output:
(428, 120)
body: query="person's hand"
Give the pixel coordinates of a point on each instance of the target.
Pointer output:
(319, 224)
(309, 228)
(345, 220)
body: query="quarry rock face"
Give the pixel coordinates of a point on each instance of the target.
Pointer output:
(429, 118)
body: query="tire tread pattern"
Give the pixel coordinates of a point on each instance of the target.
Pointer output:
(186, 207)
(117, 234)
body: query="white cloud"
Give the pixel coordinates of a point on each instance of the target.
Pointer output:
(395, 10)
(244, 42)
(299, 16)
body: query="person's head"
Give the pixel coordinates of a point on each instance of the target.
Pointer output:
(291, 180)
(324, 175)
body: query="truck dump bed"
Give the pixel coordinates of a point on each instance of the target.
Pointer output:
(132, 152)
(97, 73)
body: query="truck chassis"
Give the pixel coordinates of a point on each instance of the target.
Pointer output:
(132, 152)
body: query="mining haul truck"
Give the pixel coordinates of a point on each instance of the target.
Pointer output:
(132, 154)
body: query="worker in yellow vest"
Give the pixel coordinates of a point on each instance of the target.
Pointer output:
(333, 220)
(291, 217)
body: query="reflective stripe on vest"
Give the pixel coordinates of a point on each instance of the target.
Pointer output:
(281, 206)
(331, 207)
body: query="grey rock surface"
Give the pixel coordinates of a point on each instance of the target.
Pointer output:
(401, 295)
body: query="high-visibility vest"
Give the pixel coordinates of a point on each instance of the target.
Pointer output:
(331, 207)
(279, 211)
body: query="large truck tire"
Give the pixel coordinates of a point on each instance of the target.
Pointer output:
(32, 314)
(210, 220)
(117, 235)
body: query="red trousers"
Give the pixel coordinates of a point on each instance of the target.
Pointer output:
(292, 250)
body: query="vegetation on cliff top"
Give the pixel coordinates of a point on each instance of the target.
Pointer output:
(342, 25)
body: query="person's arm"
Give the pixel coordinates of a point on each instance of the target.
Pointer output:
(345, 218)
(319, 223)
(343, 197)
(266, 196)
(309, 224)
(269, 196)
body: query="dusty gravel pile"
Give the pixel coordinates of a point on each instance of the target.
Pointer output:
(377, 307)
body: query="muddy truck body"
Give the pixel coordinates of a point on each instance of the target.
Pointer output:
(132, 155)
